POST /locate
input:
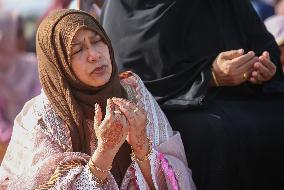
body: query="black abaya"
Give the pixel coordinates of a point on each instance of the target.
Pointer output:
(232, 135)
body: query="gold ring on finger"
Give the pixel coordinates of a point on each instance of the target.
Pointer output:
(136, 110)
(245, 76)
(117, 112)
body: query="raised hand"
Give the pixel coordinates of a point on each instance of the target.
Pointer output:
(112, 131)
(263, 69)
(137, 120)
(233, 67)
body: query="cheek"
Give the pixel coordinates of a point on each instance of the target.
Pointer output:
(77, 68)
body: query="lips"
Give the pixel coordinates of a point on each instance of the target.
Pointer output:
(99, 70)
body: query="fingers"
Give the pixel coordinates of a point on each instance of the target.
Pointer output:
(266, 54)
(268, 64)
(254, 80)
(127, 108)
(232, 54)
(261, 72)
(239, 61)
(109, 108)
(247, 67)
(126, 111)
(98, 116)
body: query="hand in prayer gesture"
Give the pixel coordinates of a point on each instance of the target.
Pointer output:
(263, 69)
(137, 120)
(112, 131)
(233, 67)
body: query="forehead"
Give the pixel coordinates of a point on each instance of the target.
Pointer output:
(83, 33)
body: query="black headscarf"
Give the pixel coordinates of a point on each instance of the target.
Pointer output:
(172, 44)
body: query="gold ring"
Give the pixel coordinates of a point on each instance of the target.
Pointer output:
(117, 112)
(245, 76)
(136, 110)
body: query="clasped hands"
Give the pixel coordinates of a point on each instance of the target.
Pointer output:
(235, 67)
(123, 120)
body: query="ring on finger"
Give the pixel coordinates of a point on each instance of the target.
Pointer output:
(117, 111)
(245, 76)
(136, 110)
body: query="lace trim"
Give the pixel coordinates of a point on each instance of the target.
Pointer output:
(140, 180)
(85, 181)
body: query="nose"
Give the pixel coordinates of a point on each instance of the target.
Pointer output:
(93, 55)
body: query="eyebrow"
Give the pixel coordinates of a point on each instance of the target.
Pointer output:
(79, 43)
(75, 43)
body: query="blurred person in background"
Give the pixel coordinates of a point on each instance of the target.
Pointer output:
(54, 5)
(91, 6)
(215, 71)
(18, 74)
(275, 26)
(264, 8)
(279, 7)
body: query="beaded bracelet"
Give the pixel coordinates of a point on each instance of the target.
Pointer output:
(96, 179)
(147, 156)
(92, 165)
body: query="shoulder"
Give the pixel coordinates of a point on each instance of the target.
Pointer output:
(27, 117)
(37, 116)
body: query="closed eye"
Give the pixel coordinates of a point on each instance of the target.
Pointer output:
(76, 48)
(76, 51)
(96, 39)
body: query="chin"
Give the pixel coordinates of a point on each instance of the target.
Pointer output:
(101, 82)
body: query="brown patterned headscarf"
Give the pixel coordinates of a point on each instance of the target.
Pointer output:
(72, 100)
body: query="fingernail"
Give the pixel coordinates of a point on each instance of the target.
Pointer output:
(240, 51)
(251, 53)
(115, 99)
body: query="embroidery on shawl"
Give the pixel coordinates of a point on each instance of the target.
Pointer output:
(60, 171)
(170, 174)
(130, 180)
(50, 123)
(139, 178)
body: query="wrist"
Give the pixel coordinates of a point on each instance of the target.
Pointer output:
(103, 159)
(143, 155)
(141, 147)
(214, 81)
(142, 151)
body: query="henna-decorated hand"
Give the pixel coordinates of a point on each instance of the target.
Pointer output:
(137, 120)
(112, 131)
